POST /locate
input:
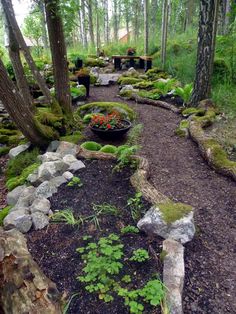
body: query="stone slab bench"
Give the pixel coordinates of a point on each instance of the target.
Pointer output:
(145, 62)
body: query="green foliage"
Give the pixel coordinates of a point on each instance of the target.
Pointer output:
(105, 209)
(129, 229)
(90, 145)
(125, 157)
(184, 92)
(66, 216)
(221, 70)
(13, 182)
(87, 118)
(128, 80)
(94, 62)
(155, 94)
(20, 162)
(165, 86)
(50, 119)
(8, 132)
(79, 91)
(174, 211)
(107, 108)
(153, 292)
(136, 206)
(144, 85)
(75, 181)
(139, 255)
(32, 27)
(74, 138)
(190, 111)
(4, 150)
(134, 134)
(3, 213)
(111, 149)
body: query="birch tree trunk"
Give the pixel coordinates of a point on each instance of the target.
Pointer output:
(205, 53)
(115, 23)
(84, 24)
(59, 56)
(90, 16)
(8, 9)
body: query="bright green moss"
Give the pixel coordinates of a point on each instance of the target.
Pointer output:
(14, 140)
(189, 111)
(50, 119)
(12, 183)
(105, 108)
(4, 139)
(4, 150)
(184, 124)
(172, 212)
(126, 93)
(149, 94)
(73, 138)
(3, 213)
(92, 62)
(8, 132)
(93, 146)
(207, 119)
(93, 79)
(109, 149)
(144, 85)
(128, 80)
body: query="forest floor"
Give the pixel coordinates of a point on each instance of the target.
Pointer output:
(179, 171)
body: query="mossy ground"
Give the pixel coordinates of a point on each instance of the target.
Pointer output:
(109, 149)
(3, 213)
(172, 212)
(90, 145)
(73, 138)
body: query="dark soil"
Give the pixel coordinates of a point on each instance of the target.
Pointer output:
(54, 249)
(178, 170)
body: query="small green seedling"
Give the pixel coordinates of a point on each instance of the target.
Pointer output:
(129, 229)
(140, 256)
(75, 181)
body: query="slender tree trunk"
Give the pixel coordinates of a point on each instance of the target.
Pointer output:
(14, 54)
(20, 112)
(84, 23)
(205, 53)
(106, 22)
(97, 29)
(59, 57)
(164, 32)
(153, 12)
(146, 27)
(8, 9)
(43, 26)
(90, 15)
(115, 17)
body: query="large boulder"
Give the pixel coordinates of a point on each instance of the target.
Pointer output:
(181, 230)
(53, 146)
(39, 220)
(45, 189)
(40, 205)
(18, 219)
(73, 163)
(18, 149)
(49, 156)
(14, 195)
(66, 148)
(51, 169)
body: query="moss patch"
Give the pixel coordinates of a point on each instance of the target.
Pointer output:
(105, 108)
(128, 80)
(190, 111)
(3, 213)
(126, 93)
(93, 146)
(172, 212)
(109, 149)
(207, 119)
(4, 150)
(73, 138)
(144, 85)
(92, 62)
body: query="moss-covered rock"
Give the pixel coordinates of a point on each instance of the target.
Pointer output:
(109, 149)
(126, 93)
(207, 119)
(155, 74)
(144, 85)
(128, 80)
(3, 213)
(93, 62)
(106, 108)
(4, 139)
(4, 150)
(172, 212)
(50, 119)
(13, 182)
(90, 145)
(182, 130)
(192, 110)
(73, 138)
(93, 79)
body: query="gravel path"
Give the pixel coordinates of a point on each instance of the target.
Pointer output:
(178, 170)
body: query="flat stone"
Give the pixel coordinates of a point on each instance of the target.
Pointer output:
(68, 175)
(66, 148)
(39, 220)
(45, 189)
(40, 205)
(173, 274)
(53, 146)
(49, 156)
(57, 181)
(51, 169)
(107, 79)
(19, 220)
(74, 164)
(181, 230)
(13, 196)
(19, 149)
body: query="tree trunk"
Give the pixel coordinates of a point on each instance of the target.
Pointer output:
(8, 9)
(205, 53)
(98, 40)
(164, 32)
(84, 25)
(24, 287)
(115, 22)
(20, 112)
(154, 10)
(90, 15)
(59, 57)
(106, 22)
(43, 26)
(14, 54)
(146, 27)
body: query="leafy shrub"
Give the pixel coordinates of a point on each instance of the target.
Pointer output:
(66, 216)
(165, 86)
(79, 91)
(106, 108)
(4, 150)
(75, 181)
(184, 92)
(124, 157)
(109, 149)
(20, 162)
(90, 145)
(92, 62)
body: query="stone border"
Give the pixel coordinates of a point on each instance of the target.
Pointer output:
(173, 270)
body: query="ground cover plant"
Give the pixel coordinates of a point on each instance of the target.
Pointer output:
(99, 259)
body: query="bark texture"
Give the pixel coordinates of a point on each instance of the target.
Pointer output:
(59, 56)
(24, 287)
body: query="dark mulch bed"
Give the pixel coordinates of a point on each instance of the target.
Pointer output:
(54, 248)
(178, 170)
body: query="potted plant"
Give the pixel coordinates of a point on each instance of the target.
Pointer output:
(131, 51)
(110, 126)
(84, 79)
